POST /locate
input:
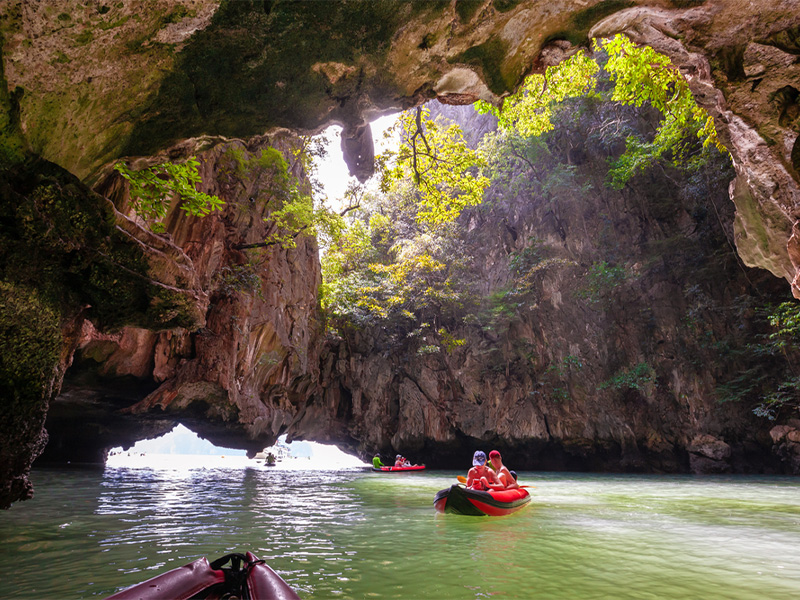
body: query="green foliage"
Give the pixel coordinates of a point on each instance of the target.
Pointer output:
(152, 189)
(450, 342)
(641, 76)
(638, 377)
(295, 211)
(766, 374)
(601, 281)
(784, 398)
(269, 159)
(296, 215)
(572, 362)
(428, 349)
(784, 341)
(547, 178)
(300, 214)
(523, 261)
(385, 267)
(447, 173)
(529, 110)
(786, 319)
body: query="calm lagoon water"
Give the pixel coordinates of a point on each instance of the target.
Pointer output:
(357, 534)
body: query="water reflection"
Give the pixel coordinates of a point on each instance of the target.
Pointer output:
(224, 510)
(355, 534)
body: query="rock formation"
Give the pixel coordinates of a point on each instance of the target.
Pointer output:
(89, 82)
(614, 333)
(237, 379)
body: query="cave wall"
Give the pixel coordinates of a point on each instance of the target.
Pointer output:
(236, 380)
(66, 255)
(636, 368)
(99, 80)
(88, 82)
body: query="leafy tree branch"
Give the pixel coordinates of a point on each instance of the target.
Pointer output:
(153, 188)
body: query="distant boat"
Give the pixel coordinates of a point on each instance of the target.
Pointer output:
(464, 501)
(399, 469)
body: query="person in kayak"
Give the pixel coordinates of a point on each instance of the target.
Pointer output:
(503, 474)
(376, 462)
(399, 461)
(481, 477)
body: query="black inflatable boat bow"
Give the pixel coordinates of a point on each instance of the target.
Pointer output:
(236, 575)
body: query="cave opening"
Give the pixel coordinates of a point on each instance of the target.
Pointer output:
(331, 170)
(182, 448)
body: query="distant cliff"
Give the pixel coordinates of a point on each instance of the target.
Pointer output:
(615, 331)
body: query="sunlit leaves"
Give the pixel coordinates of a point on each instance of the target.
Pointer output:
(448, 174)
(530, 109)
(642, 75)
(382, 270)
(153, 188)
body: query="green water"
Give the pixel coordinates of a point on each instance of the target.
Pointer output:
(355, 534)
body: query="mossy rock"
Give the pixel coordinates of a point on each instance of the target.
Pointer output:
(252, 68)
(59, 237)
(30, 344)
(490, 59)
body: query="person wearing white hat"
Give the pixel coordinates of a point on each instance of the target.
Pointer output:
(480, 477)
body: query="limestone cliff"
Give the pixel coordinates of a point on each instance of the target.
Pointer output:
(614, 332)
(237, 379)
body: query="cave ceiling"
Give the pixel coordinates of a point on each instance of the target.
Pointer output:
(97, 80)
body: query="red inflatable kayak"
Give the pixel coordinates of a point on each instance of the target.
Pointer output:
(246, 578)
(462, 501)
(399, 469)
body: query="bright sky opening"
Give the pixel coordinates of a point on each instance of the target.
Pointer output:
(182, 448)
(332, 171)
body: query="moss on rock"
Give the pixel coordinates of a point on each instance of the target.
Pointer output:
(253, 68)
(30, 344)
(490, 59)
(60, 237)
(581, 22)
(12, 142)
